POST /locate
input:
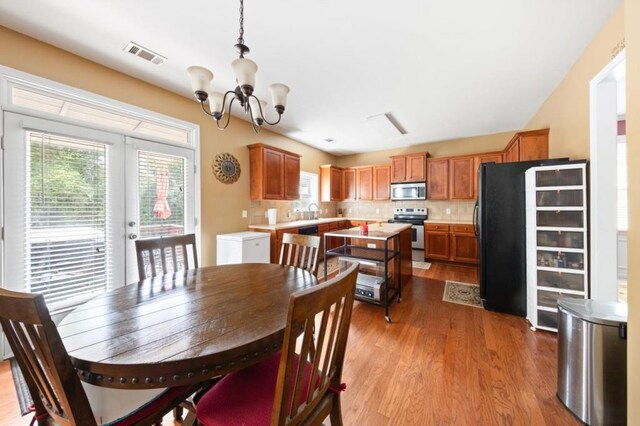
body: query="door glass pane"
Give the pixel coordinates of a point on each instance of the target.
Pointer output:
(67, 226)
(561, 280)
(560, 177)
(560, 259)
(559, 198)
(561, 239)
(161, 195)
(561, 219)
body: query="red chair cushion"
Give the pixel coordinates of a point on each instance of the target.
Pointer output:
(246, 397)
(161, 401)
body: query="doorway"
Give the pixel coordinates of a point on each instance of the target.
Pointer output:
(608, 205)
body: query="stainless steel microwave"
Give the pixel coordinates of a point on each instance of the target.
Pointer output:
(408, 191)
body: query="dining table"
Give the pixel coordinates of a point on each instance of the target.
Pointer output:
(182, 328)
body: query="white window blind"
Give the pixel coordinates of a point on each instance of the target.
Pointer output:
(67, 219)
(161, 191)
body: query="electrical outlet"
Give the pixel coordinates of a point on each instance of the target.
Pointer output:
(288, 213)
(350, 210)
(326, 211)
(377, 211)
(448, 211)
(244, 214)
(266, 214)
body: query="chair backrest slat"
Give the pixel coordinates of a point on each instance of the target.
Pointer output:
(43, 359)
(299, 391)
(301, 251)
(166, 246)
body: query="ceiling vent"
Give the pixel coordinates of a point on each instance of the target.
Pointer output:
(144, 53)
(385, 125)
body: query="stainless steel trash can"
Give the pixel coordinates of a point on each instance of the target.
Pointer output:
(592, 360)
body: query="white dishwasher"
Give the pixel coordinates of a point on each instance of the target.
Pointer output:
(243, 247)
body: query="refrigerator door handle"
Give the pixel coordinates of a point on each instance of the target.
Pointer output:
(476, 210)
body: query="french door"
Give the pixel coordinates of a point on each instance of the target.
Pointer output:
(74, 201)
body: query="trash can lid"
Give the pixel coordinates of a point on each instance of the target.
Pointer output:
(596, 311)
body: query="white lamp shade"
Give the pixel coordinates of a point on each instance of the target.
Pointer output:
(279, 94)
(245, 71)
(200, 78)
(215, 101)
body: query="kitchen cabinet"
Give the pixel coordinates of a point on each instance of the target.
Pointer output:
(526, 146)
(349, 192)
(461, 178)
(381, 182)
(331, 185)
(409, 168)
(438, 179)
(365, 183)
(490, 157)
(274, 173)
(451, 242)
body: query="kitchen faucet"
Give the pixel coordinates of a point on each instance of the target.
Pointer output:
(313, 215)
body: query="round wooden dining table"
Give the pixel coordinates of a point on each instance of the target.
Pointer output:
(182, 328)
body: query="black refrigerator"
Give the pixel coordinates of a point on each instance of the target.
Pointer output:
(500, 227)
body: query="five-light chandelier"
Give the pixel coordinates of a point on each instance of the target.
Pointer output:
(245, 71)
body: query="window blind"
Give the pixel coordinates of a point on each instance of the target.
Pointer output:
(67, 219)
(622, 185)
(308, 189)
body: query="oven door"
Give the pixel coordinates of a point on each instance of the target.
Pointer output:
(417, 237)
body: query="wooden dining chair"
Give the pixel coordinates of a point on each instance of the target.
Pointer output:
(168, 253)
(265, 393)
(301, 251)
(53, 382)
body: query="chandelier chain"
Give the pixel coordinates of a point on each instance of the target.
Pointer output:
(241, 37)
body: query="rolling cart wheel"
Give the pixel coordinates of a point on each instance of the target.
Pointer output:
(388, 318)
(399, 299)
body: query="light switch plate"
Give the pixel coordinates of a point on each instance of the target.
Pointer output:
(245, 214)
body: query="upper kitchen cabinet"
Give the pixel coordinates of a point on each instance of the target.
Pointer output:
(409, 168)
(349, 192)
(365, 183)
(490, 157)
(331, 183)
(461, 178)
(381, 182)
(525, 146)
(438, 179)
(274, 173)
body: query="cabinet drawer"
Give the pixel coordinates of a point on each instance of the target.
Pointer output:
(462, 229)
(436, 227)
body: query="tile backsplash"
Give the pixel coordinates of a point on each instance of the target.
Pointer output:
(288, 211)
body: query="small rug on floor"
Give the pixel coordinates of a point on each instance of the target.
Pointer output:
(462, 293)
(421, 265)
(22, 391)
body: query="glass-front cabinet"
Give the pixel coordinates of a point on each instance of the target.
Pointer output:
(556, 240)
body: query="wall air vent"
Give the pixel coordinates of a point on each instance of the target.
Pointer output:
(144, 53)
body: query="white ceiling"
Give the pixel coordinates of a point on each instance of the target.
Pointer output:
(444, 69)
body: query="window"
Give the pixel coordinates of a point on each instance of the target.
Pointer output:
(622, 184)
(308, 189)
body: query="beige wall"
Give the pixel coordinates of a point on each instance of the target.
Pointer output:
(632, 21)
(221, 204)
(472, 145)
(566, 111)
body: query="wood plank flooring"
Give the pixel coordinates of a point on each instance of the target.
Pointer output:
(438, 363)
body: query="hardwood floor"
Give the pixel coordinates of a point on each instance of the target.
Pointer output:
(438, 363)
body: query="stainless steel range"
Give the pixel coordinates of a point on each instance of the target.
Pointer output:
(416, 217)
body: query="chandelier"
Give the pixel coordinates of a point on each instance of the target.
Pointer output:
(245, 71)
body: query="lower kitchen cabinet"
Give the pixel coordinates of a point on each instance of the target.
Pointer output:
(451, 242)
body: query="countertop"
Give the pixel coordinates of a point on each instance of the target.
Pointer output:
(450, 221)
(299, 223)
(384, 232)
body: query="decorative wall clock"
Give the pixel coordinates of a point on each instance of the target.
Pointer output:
(226, 168)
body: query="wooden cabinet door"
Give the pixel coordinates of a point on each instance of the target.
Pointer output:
(438, 179)
(291, 177)
(365, 183)
(336, 184)
(349, 184)
(436, 245)
(493, 157)
(461, 178)
(534, 147)
(381, 182)
(416, 167)
(273, 175)
(512, 154)
(464, 248)
(398, 169)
